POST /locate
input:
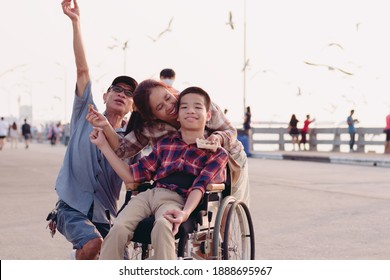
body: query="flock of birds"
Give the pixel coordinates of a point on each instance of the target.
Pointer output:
(230, 23)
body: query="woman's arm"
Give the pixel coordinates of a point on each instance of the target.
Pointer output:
(223, 129)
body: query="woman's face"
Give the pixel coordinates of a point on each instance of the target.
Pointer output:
(163, 104)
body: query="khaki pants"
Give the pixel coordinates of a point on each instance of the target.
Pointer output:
(240, 190)
(154, 201)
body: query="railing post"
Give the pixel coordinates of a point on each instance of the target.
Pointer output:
(336, 140)
(313, 139)
(281, 138)
(361, 139)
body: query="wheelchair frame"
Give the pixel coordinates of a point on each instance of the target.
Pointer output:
(220, 228)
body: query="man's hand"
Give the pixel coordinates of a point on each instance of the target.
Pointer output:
(72, 13)
(96, 119)
(176, 217)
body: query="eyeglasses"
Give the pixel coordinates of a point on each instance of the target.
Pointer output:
(119, 89)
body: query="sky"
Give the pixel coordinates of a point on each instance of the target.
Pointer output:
(321, 58)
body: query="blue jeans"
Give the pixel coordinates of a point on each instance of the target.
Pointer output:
(352, 141)
(78, 228)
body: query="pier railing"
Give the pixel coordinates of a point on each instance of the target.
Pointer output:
(325, 138)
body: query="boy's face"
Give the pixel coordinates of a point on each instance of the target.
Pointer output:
(192, 112)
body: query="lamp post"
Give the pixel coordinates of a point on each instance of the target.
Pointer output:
(245, 59)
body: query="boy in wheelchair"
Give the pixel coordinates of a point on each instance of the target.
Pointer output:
(174, 156)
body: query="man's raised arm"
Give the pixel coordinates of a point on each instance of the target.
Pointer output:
(81, 62)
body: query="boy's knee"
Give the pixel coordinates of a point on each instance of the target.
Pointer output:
(161, 225)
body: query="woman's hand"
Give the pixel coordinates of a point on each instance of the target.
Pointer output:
(96, 119)
(215, 139)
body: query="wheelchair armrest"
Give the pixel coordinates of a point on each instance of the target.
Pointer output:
(132, 186)
(215, 187)
(139, 187)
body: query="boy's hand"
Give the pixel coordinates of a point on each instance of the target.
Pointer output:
(98, 138)
(176, 217)
(95, 118)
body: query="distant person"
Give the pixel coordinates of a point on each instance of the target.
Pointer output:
(387, 131)
(26, 132)
(247, 121)
(3, 132)
(168, 76)
(87, 185)
(66, 133)
(293, 131)
(52, 134)
(351, 129)
(14, 135)
(304, 131)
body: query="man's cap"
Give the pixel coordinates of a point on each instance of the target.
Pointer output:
(125, 80)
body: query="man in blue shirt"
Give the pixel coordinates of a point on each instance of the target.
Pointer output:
(87, 185)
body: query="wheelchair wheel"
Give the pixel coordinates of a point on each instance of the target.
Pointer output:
(219, 226)
(239, 238)
(134, 251)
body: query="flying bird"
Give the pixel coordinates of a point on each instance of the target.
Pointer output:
(230, 22)
(357, 26)
(123, 45)
(332, 108)
(331, 68)
(12, 69)
(168, 29)
(299, 91)
(336, 45)
(246, 65)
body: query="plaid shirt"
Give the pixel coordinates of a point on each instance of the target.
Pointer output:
(130, 145)
(171, 155)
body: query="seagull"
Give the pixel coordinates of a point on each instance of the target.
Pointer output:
(168, 29)
(123, 45)
(357, 26)
(246, 65)
(335, 45)
(331, 110)
(299, 91)
(12, 69)
(331, 68)
(348, 100)
(230, 22)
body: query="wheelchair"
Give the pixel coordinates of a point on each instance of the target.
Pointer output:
(220, 228)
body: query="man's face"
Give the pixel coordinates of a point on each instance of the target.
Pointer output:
(193, 114)
(117, 101)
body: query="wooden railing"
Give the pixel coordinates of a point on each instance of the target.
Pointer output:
(334, 137)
